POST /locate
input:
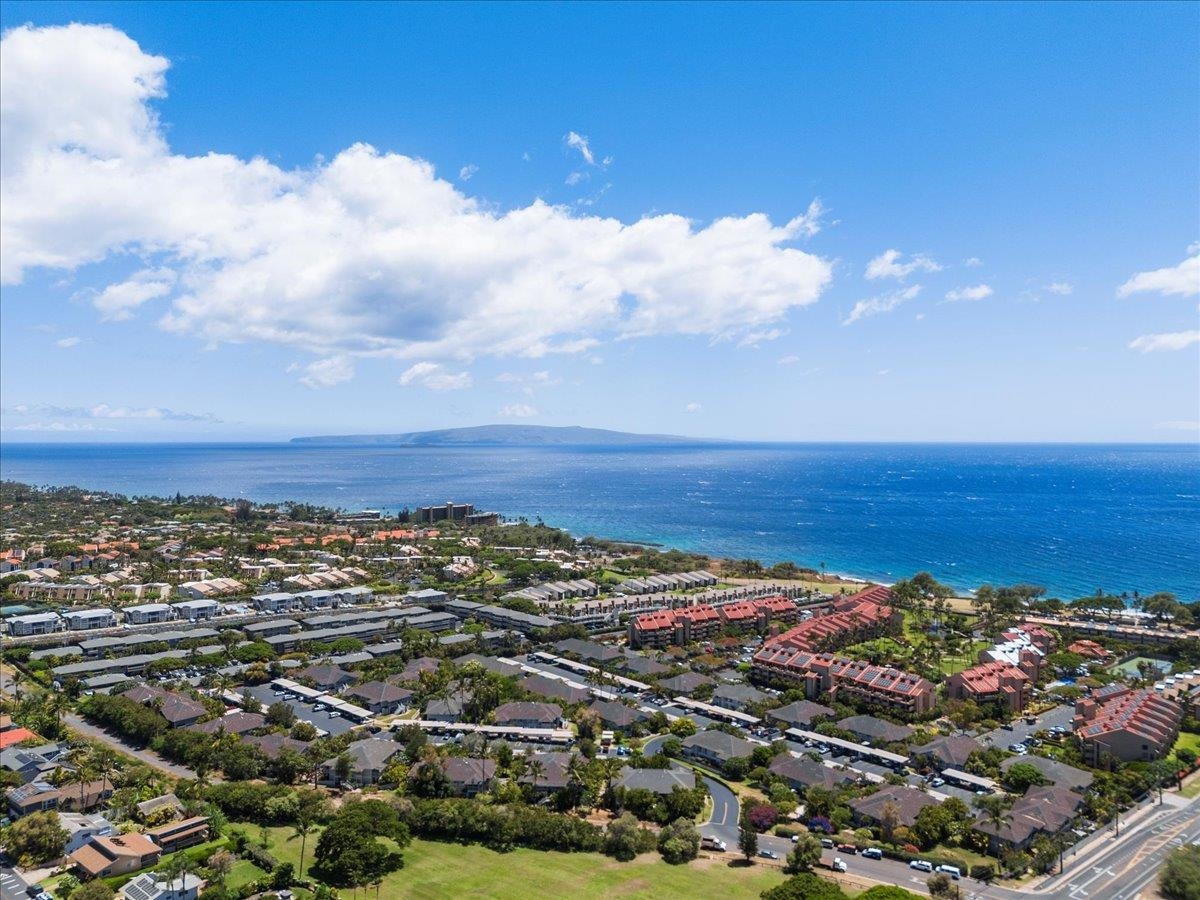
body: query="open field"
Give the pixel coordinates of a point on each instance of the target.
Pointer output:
(434, 870)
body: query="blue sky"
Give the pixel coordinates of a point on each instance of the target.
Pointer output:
(811, 222)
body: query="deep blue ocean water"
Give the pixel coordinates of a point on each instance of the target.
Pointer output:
(1073, 518)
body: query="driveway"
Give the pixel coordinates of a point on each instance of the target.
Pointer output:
(149, 757)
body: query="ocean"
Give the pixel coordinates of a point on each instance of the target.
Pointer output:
(1072, 518)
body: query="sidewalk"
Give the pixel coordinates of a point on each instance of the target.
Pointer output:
(1103, 840)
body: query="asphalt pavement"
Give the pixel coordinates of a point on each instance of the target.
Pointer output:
(265, 694)
(1002, 737)
(12, 885)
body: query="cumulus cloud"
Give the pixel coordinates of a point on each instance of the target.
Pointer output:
(1182, 280)
(693, 408)
(874, 306)
(888, 265)
(465, 173)
(976, 292)
(367, 254)
(1173, 340)
(1061, 288)
(435, 377)
(578, 142)
(119, 301)
(68, 342)
(516, 411)
(528, 383)
(327, 372)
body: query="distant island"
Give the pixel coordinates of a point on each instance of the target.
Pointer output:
(507, 435)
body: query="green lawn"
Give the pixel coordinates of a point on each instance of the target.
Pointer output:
(435, 870)
(243, 872)
(1187, 741)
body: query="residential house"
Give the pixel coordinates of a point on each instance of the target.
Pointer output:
(658, 781)
(148, 613)
(327, 677)
(197, 609)
(555, 689)
(81, 828)
(1090, 650)
(803, 772)
(152, 886)
(443, 709)
(178, 709)
(685, 683)
(368, 759)
(801, 714)
(119, 854)
(36, 623)
(236, 722)
(947, 752)
(380, 697)
(716, 747)
(618, 716)
(908, 802)
(178, 835)
(153, 809)
(874, 730)
(469, 776)
(737, 696)
(522, 714)
(1043, 810)
(89, 619)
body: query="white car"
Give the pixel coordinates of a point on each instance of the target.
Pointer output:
(921, 865)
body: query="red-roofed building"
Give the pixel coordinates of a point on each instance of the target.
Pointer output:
(852, 621)
(1119, 722)
(846, 679)
(992, 682)
(1090, 650)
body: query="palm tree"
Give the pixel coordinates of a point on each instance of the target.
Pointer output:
(996, 812)
(179, 866)
(535, 769)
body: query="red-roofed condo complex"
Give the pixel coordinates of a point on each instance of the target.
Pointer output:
(1125, 724)
(857, 618)
(686, 624)
(992, 682)
(845, 679)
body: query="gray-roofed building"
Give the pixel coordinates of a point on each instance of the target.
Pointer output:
(589, 651)
(427, 597)
(89, 619)
(380, 697)
(148, 613)
(908, 802)
(737, 696)
(30, 763)
(413, 669)
(1057, 773)
(1043, 810)
(870, 728)
(468, 776)
(258, 630)
(178, 709)
(522, 714)
(270, 745)
(57, 652)
(658, 781)
(368, 759)
(195, 610)
(103, 684)
(716, 747)
(236, 722)
(640, 666)
(948, 752)
(618, 716)
(150, 807)
(279, 601)
(802, 772)
(686, 683)
(554, 689)
(327, 677)
(490, 663)
(447, 709)
(801, 714)
(37, 623)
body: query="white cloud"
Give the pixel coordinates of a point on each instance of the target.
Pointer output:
(883, 372)
(693, 408)
(327, 372)
(976, 292)
(973, 262)
(874, 306)
(790, 360)
(517, 411)
(574, 178)
(368, 254)
(465, 173)
(106, 411)
(58, 427)
(68, 342)
(1175, 340)
(579, 142)
(1061, 288)
(888, 265)
(119, 301)
(754, 338)
(528, 383)
(1182, 280)
(435, 377)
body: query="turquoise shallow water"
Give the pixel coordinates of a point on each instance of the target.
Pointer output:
(1073, 518)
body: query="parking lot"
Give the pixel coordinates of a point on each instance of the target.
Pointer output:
(1002, 737)
(265, 694)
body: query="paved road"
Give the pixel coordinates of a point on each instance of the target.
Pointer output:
(149, 757)
(12, 885)
(1002, 737)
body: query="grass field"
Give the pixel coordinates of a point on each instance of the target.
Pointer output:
(435, 870)
(1187, 741)
(243, 872)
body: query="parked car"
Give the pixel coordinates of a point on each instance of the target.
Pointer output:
(873, 853)
(768, 854)
(937, 782)
(953, 871)
(827, 843)
(711, 843)
(848, 848)
(921, 865)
